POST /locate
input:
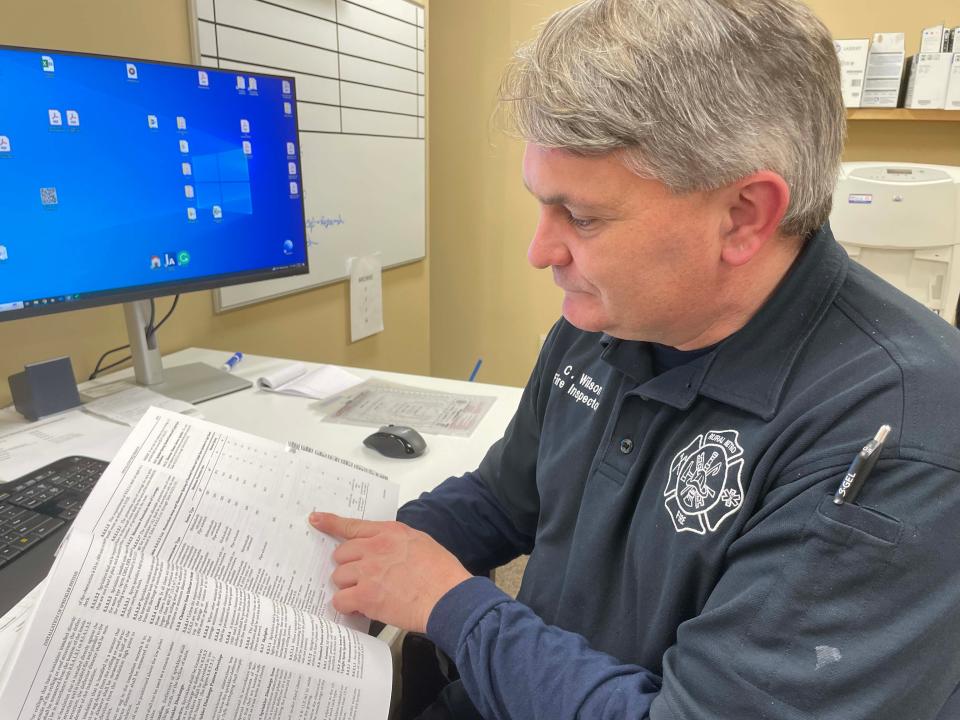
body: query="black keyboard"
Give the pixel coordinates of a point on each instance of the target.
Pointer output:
(34, 506)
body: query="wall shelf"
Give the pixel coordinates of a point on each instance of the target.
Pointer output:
(903, 114)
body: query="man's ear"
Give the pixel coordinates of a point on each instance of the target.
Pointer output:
(755, 206)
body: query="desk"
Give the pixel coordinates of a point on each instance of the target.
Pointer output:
(285, 418)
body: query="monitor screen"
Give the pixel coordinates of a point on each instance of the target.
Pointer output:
(124, 179)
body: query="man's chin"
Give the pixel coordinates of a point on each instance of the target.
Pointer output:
(575, 314)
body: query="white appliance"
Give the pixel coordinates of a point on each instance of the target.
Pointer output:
(902, 220)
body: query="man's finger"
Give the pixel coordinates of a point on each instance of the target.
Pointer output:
(346, 575)
(346, 528)
(350, 550)
(348, 601)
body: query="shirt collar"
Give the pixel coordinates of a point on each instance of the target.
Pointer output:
(750, 368)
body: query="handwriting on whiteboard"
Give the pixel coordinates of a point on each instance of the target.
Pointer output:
(324, 221)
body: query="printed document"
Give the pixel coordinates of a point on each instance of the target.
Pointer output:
(131, 402)
(377, 402)
(191, 585)
(26, 446)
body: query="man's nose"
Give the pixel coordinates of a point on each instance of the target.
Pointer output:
(547, 248)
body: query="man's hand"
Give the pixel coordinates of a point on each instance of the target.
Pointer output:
(389, 571)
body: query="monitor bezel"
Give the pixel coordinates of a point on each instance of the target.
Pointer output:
(165, 289)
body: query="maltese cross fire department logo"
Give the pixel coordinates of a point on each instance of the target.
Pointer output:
(704, 487)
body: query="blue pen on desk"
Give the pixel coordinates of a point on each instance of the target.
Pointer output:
(233, 361)
(476, 369)
(860, 467)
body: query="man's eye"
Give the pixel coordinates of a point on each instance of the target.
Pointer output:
(581, 223)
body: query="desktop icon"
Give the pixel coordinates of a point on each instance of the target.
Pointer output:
(181, 122)
(244, 125)
(247, 148)
(169, 260)
(132, 73)
(152, 122)
(288, 247)
(73, 118)
(285, 87)
(291, 149)
(241, 83)
(252, 84)
(191, 213)
(188, 191)
(294, 188)
(184, 146)
(154, 262)
(48, 196)
(4, 144)
(3, 253)
(292, 169)
(183, 258)
(187, 170)
(287, 108)
(46, 62)
(202, 78)
(56, 120)
(217, 212)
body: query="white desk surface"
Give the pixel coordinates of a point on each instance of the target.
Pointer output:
(286, 417)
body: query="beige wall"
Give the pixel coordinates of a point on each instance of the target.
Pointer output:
(485, 299)
(312, 325)
(476, 296)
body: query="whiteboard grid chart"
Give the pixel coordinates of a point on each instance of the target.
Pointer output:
(359, 68)
(359, 64)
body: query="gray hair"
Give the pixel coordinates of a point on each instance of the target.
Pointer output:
(694, 93)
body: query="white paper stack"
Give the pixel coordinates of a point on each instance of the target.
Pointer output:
(320, 381)
(929, 75)
(953, 89)
(852, 55)
(931, 40)
(881, 86)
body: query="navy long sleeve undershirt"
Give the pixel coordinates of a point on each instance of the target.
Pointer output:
(512, 663)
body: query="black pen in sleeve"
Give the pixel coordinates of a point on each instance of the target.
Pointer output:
(860, 467)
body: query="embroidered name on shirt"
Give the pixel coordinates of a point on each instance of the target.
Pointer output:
(704, 487)
(584, 390)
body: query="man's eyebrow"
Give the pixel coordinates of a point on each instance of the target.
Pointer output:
(561, 199)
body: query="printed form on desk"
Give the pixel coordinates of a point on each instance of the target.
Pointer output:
(192, 581)
(379, 402)
(26, 446)
(126, 402)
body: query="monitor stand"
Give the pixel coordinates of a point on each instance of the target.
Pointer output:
(193, 383)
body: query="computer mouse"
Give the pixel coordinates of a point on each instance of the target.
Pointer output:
(396, 441)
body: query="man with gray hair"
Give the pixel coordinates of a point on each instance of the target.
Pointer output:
(671, 468)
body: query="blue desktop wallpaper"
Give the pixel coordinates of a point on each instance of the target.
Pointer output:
(117, 174)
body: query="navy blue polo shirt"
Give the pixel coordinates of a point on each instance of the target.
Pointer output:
(686, 558)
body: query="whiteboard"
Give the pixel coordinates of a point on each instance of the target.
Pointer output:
(360, 82)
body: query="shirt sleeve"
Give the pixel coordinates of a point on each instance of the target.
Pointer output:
(513, 665)
(463, 515)
(489, 516)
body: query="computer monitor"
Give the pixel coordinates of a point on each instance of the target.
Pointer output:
(123, 180)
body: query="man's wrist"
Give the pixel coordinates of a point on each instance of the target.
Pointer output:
(460, 609)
